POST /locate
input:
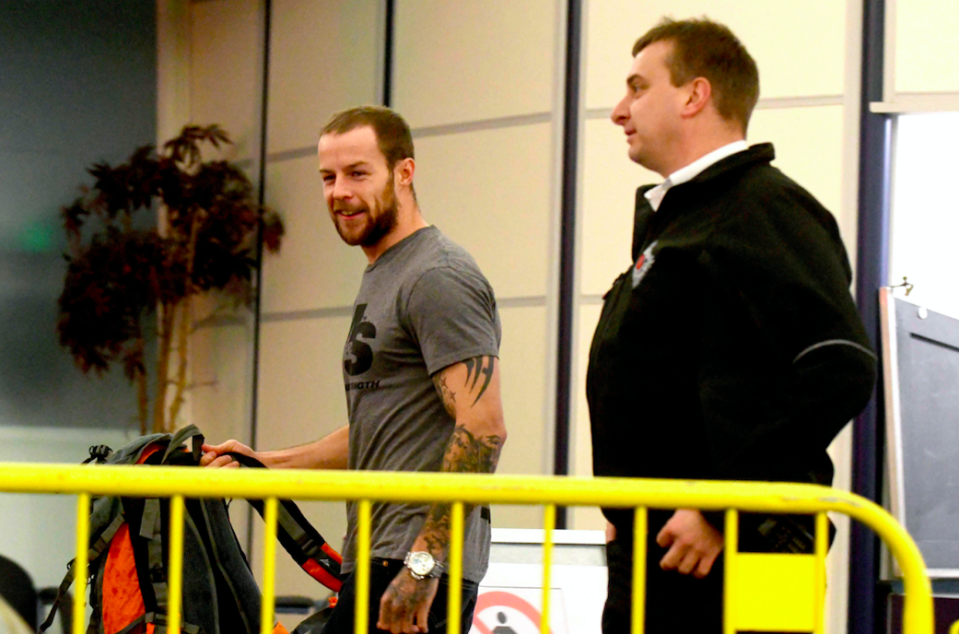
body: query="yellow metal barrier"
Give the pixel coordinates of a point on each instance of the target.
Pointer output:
(179, 482)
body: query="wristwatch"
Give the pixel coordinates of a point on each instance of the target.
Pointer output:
(422, 565)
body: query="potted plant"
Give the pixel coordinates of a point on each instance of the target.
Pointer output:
(144, 242)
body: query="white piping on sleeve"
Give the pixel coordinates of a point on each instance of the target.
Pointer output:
(835, 342)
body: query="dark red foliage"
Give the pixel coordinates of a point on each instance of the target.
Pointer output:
(119, 272)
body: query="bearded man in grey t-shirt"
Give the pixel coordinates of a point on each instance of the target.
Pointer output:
(421, 373)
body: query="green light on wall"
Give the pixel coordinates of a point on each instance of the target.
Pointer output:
(37, 238)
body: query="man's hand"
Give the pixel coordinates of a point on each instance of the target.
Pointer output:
(406, 604)
(692, 541)
(216, 455)
(329, 452)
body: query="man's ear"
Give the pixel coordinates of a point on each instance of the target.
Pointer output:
(403, 172)
(699, 93)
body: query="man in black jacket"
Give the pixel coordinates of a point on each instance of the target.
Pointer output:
(731, 349)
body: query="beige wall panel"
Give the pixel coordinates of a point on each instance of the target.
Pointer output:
(809, 149)
(301, 380)
(610, 180)
(490, 192)
(301, 399)
(221, 375)
(323, 58)
(468, 61)
(524, 391)
(315, 269)
(799, 45)
(226, 50)
(583, 518)
(925, 46)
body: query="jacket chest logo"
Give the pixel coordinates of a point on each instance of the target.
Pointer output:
(644, 263)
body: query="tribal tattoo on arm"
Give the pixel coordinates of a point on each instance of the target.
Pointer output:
(475, 368)
(483, 367)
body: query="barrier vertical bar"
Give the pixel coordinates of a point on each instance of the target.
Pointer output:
(269, 567)
(454, 606)
(640, 528)
(731, 550)
(175, 582)
(549, 523)
(80, 564)
(819, 596)
(362, 570)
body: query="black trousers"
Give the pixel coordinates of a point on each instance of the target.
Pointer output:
(382, 573)
(675, 603)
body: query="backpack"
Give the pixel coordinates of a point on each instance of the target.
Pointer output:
(128, 554)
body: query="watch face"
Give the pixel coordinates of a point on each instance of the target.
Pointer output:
(421, 563)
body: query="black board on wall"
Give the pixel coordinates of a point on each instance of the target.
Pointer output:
(921, 381)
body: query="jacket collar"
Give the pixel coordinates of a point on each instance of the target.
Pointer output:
(759, 154)
(754, 155)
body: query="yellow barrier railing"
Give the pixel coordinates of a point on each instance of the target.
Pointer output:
(178, 482)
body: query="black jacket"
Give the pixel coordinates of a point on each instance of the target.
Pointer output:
(739, 354)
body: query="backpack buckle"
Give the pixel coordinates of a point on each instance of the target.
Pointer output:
(100, 453)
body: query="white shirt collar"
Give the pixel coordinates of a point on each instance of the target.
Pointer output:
(656, 194)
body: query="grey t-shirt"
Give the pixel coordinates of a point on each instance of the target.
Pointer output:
(423, 305)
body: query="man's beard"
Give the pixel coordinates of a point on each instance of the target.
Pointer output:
(379, 226)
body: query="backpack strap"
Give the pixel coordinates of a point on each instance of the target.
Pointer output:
(299, 537)
(188, 432)
(96, 601)
(102, 543)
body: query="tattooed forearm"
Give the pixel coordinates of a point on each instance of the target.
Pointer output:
(466, 453)
(446, 394)
(470, 454)
(470, 393)
(483, 366)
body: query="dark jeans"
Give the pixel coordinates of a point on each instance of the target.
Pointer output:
(382, 572)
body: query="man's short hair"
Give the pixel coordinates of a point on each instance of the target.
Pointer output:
(392, 132)
(703, 48)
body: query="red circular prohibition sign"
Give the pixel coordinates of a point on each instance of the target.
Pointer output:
(505, 599)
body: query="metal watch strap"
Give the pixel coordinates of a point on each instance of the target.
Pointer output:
(435, 571)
